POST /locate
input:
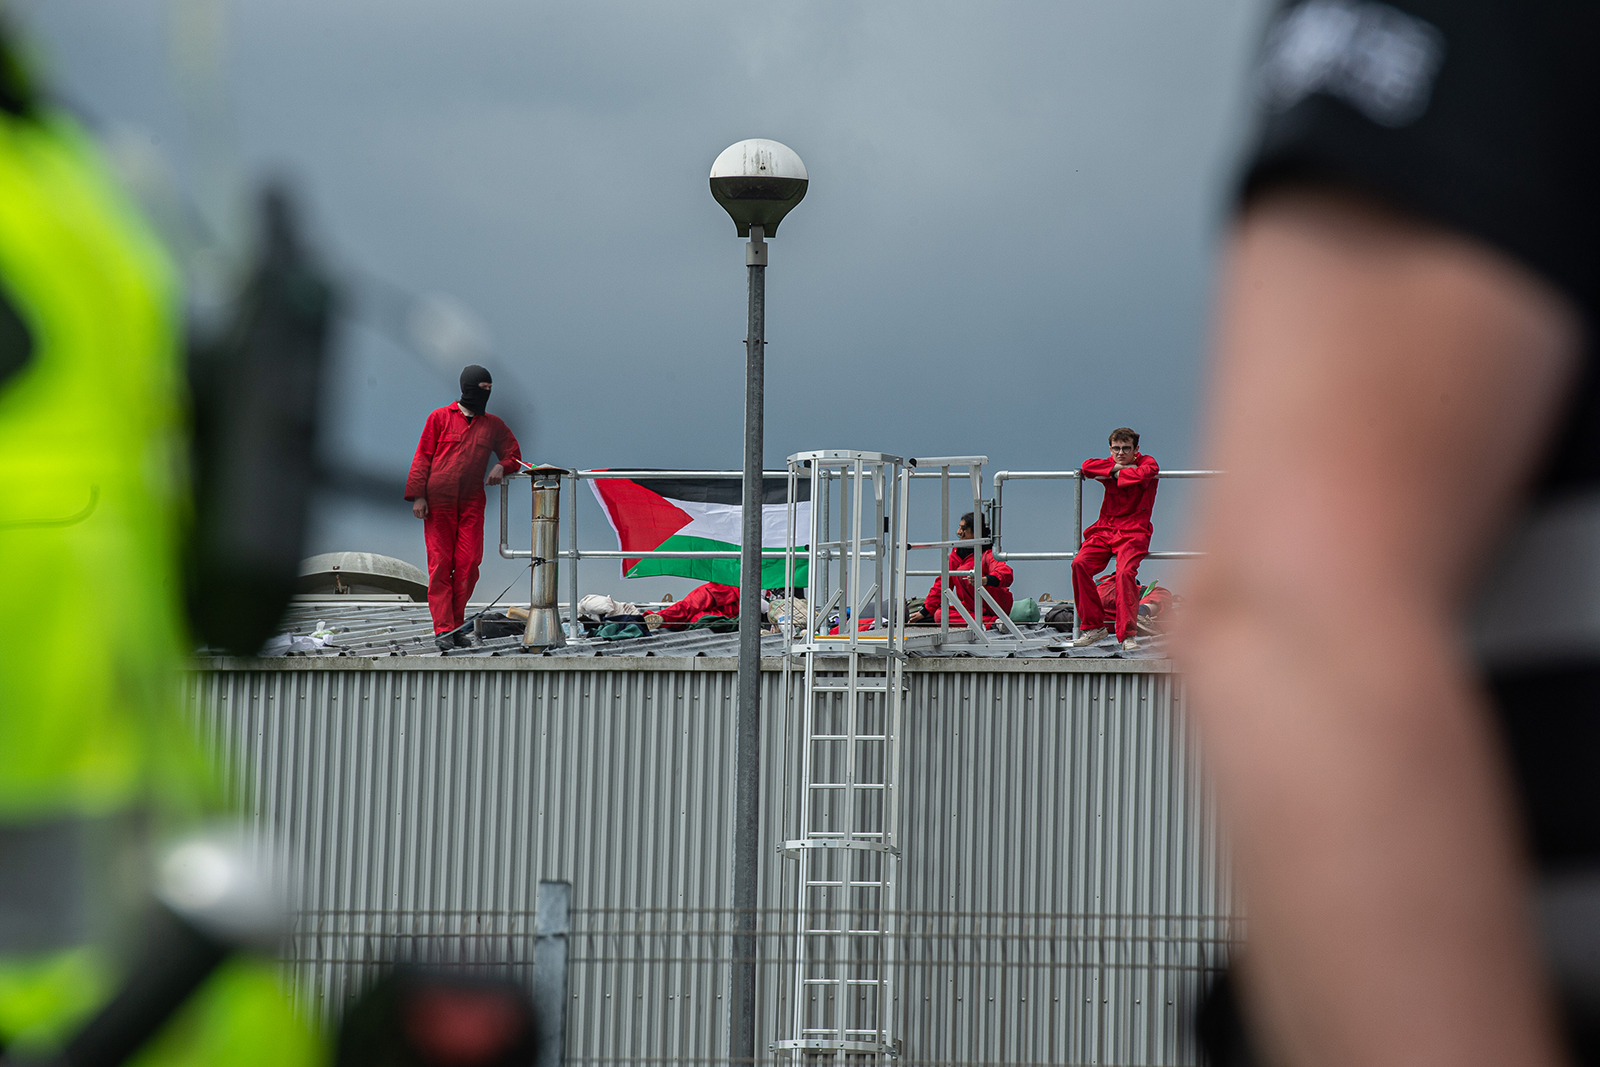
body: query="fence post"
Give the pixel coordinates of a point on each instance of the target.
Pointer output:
(551, 924)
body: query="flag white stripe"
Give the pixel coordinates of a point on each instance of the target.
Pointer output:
(724, 522)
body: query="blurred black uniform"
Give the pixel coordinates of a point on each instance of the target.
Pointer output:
(1483, 116)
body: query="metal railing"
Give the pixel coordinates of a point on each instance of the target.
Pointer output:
(940, 469)
(996, 521)
(996, 524)
(575, 554)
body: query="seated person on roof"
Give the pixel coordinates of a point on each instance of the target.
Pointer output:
(712, 598)
(996, 581)
(1154, 602)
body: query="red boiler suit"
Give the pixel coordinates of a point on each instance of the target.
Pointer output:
(992, 568)
(448, 470)
(1123, 530)
(1157, 598)
(708, 599)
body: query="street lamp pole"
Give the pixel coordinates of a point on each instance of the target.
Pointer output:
(747, 750)
(757, 182)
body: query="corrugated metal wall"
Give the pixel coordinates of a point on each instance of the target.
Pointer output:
(1061, 887)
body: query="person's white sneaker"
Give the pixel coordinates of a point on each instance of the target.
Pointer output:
(1131, 645)
(1089, 637)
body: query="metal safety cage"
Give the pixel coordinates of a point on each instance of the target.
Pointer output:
(845, 817)
(846, 653)
(868, 490)
(949, 470)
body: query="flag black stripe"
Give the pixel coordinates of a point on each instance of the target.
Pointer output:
(724, 490)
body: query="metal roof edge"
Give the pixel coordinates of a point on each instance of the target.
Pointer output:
(928, 665)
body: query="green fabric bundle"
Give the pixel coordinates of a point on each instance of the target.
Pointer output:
(1025, 610)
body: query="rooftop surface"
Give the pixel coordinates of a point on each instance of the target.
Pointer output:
(366, 628)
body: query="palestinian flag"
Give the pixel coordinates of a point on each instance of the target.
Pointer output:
(701, 515)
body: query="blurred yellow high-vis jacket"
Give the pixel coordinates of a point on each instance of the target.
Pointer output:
(94, 757)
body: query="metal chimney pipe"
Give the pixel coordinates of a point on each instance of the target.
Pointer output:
(544, 618)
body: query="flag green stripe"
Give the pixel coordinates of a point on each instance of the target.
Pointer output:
(722, 571)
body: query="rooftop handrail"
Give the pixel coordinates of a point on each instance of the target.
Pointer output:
(1076, 476)
(919, 468)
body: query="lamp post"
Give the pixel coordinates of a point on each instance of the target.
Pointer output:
(757, 182)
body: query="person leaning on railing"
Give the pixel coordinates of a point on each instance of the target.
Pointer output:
(445, 488)
(1123, 530)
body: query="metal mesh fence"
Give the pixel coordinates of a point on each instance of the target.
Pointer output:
(649, 985)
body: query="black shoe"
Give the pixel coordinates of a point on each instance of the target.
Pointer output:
(444, 642)
(464, 639)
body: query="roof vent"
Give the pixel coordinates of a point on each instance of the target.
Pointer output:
(361, 573)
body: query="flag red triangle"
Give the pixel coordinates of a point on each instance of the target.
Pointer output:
(641, 519)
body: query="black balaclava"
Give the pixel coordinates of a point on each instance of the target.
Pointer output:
(474, 398)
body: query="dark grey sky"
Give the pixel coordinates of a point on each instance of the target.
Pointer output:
(1005, 248)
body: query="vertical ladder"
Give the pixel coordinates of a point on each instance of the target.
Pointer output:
(841, 996)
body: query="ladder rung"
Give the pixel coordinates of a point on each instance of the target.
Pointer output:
(840, 833)
(847, 737)
(841, 884)
(836, 981)
(815, 1031)
(875, 836)
(846, 689)
(849, 933)
(844, 785)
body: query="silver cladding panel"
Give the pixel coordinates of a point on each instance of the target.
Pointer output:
(1062, 889)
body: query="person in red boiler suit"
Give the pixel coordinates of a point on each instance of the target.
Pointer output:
(1123, 530)
(997, 578)
(711, 598)
(446, 492)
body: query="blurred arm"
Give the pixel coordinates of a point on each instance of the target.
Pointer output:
(1354, 754)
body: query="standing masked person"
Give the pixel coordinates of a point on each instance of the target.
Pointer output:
(446, 492)
(96, 758)
(1123, 530)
